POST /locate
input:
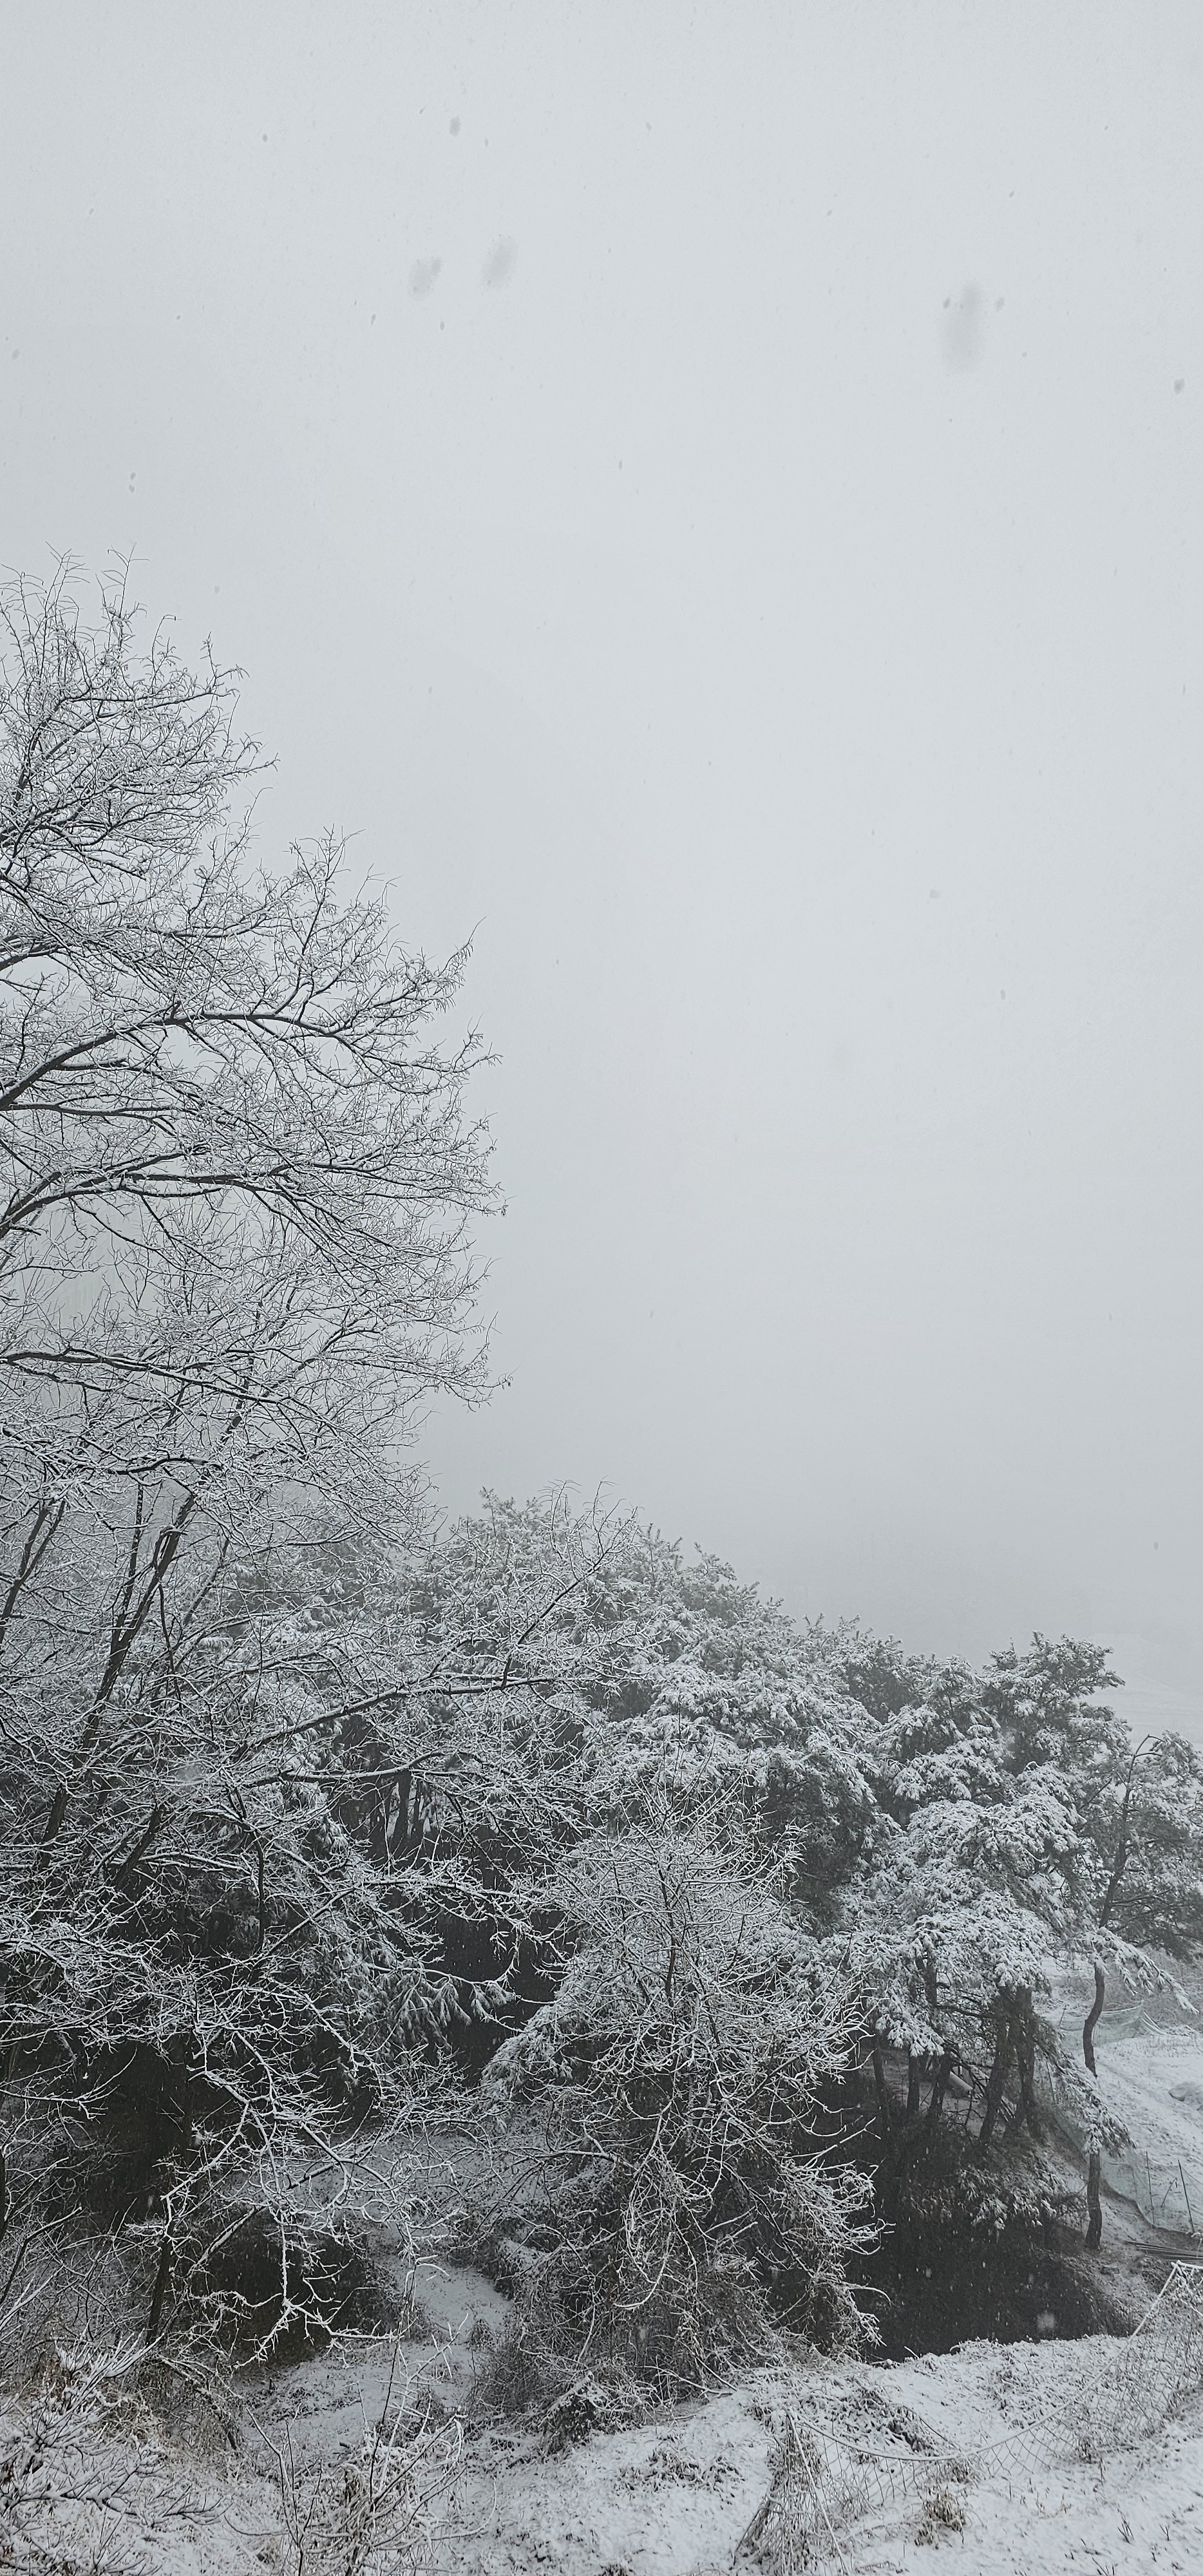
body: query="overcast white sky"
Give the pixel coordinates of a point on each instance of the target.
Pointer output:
(713, 495)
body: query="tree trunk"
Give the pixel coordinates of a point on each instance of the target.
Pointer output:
(1120, 1862)
(1025, 2052)
(1094, 2201)
(1088, 2026)
(1094, 2163)
(159, 2292)
(996, 2080)
(913, 2076)
(940, 2067)
(899, 2142)
(939, 2080)
(885, 2108)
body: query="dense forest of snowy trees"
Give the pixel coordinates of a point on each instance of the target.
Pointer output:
(319, 1822)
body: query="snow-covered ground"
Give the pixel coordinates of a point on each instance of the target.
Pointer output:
(942, 2448)
(1154, 2080)
(675, 2498)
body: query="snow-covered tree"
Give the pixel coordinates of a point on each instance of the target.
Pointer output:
(637, 1683)
(1020, 1827)
(237, 1181)
(1138, 1808)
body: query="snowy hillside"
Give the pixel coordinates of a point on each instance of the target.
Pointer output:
(848, 2468)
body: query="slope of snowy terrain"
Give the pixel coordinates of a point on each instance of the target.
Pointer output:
(937, 2454)
(1026, 2459)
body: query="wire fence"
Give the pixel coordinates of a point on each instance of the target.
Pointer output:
(1168, 2194)
(1166, 2190)
(826, 2478)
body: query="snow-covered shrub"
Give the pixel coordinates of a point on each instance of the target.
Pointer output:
(520, 2374)
(944, 2510)
(683, 2182)
(372, 2513)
